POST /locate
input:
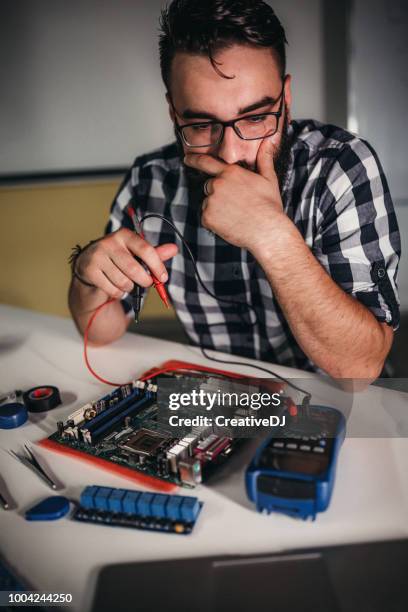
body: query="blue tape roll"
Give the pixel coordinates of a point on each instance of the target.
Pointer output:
(12, 415)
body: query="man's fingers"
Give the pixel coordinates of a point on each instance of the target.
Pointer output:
(264, 159)
(148, 254)
(117, 278)
(101, 280)
(122, 263)
(205, 163)
(167, 251)
(124, 258)
(122, 270)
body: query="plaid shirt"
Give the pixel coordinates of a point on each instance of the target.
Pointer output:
(336, 194)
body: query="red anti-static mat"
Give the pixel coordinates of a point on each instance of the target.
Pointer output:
(119, 470)
(174, 365)
(108, 466)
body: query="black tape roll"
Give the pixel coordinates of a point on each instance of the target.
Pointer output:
(40, 399)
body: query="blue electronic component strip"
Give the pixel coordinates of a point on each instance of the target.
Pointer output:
(174, 507)
(101, 498)
(129, 502)
(139, 509)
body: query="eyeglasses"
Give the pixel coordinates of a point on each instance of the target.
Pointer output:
(249, 127)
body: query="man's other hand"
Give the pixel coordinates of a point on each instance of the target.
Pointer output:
(241, 205)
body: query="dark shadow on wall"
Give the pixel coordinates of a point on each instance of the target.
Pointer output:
(398, 357)
(336, 53)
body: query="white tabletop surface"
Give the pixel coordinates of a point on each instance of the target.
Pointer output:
(370, 500)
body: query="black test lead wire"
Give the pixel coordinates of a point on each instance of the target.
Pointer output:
(240, 305)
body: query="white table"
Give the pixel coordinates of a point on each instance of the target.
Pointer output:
(370, 500)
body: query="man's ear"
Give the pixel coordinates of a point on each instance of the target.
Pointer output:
(171, 110)
(288, 96)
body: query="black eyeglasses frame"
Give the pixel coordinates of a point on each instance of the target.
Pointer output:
(231, 123)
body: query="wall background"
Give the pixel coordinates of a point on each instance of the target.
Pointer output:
(39, 226)
(82, 87)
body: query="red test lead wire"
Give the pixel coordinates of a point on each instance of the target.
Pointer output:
(86, 334)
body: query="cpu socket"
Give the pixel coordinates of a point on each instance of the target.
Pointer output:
(144, 442)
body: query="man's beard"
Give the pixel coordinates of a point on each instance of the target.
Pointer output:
(196, 178)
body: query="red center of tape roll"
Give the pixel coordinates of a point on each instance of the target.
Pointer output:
(41, 393)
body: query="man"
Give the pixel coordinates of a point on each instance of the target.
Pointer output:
(290, 222)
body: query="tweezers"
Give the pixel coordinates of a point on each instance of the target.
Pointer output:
(30, 461)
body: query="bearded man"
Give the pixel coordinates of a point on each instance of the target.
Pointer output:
(290, 223)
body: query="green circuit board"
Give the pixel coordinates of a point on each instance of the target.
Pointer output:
(123, 428)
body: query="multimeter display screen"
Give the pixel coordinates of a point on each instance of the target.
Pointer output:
(302, 464)
(286, 487)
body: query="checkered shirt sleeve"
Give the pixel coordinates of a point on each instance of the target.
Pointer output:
(357, 239)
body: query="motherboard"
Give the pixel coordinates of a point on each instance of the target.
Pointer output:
(124, 428)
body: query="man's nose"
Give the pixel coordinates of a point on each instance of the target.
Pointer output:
(230, 147)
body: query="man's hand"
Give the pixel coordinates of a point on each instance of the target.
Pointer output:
(241, 202)
(110, 263)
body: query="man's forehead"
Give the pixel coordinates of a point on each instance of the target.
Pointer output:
(195, 84)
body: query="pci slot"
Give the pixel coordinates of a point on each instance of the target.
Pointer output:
(104, 428)
(78, 416)
(111, 411)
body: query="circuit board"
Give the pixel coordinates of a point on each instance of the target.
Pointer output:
(123, 428)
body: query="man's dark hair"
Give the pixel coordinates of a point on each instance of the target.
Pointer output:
(206, 26)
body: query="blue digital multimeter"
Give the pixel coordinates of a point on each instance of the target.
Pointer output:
(294, 472)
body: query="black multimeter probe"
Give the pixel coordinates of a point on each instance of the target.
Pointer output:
(136, 299)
